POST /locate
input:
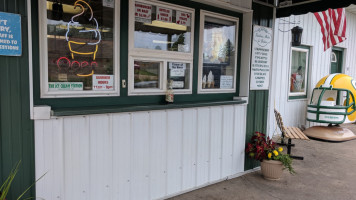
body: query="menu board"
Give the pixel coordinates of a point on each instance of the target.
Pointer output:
(261, 58)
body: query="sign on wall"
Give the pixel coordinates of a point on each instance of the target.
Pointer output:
(261, 58)
(10, 34)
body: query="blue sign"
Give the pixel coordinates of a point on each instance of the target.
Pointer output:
(10, 34)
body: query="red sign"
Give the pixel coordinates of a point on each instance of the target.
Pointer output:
(164, 15)
(143, 12)
(183, 18)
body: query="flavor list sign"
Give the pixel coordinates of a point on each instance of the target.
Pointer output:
(164, 14)
(10, 34)
(261, 58)
(183, 18)
(103, 82)
(143, 13)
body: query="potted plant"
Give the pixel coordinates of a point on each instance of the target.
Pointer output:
(272, 159)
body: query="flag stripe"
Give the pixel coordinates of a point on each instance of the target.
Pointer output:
(333, 26)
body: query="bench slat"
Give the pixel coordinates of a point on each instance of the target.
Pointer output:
(290, 133)
(303, 136)
(297, 133)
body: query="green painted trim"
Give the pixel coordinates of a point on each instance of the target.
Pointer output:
(148, 107)
(124, 99)
(298, 97)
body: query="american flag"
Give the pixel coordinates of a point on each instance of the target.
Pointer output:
(333, 26)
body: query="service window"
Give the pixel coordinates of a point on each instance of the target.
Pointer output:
(298, 72)
(79, 48)
(160, 51)
(218, 53)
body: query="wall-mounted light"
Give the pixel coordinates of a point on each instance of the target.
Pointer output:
(297, 36)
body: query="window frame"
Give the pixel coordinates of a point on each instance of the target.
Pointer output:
(204, 13)
(299, 95)
(158, 55)
(43, 44)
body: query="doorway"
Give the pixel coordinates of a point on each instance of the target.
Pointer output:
(336, 60)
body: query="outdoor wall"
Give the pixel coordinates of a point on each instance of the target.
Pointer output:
(258, 99)
(294, 111)
(138, 155)
(16, 128)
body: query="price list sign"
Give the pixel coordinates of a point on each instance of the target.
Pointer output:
(10, 34)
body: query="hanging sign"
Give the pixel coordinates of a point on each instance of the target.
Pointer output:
(261, 58)
(103, 82)
(143, 13)
(66, 86)
(177, 69)
(10, 34)
(164, 14)
(183, 18)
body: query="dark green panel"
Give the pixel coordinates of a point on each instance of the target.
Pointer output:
(16, 128)
(257, 108)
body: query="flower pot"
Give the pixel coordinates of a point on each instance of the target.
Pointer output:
(272, 169)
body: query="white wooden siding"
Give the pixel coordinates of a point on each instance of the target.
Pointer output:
(138, 155)
(294, 111)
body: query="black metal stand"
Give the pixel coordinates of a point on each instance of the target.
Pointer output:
(289, 146)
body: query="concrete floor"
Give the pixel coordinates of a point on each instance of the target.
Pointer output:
(327, 172)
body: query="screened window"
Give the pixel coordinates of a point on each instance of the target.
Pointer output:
(80, 40)
(217, 72)
(161, 48)
(298, 72)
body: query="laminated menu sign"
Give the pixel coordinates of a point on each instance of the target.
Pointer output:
(261, 58)
(103, 82)
(143, 13)
(226, 82)
(183, 18)
(178, 84)
(10, 34)
(164, 14)
(177, 69)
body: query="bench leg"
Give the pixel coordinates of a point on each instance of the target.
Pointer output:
(289, 149)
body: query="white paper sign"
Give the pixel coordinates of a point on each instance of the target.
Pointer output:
(183, 18)
(261, 58)
(164, 14)
(226, 82)
(65, 86)
(143, 12)
(103, 82)
(109, 3)
(177, 69)
(178, 84)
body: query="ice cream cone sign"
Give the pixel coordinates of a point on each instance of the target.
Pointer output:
(81, 45)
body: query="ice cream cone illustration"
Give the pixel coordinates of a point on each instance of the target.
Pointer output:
(83, 47)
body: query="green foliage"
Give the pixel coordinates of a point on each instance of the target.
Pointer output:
(261, 148)
(287, 162)
(5, 187)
